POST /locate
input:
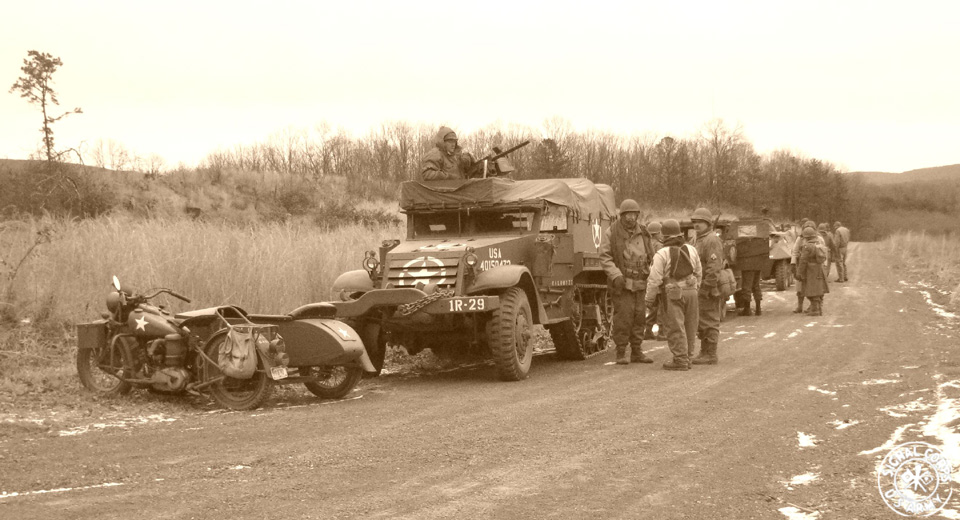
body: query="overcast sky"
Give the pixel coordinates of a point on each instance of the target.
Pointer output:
(866, 85)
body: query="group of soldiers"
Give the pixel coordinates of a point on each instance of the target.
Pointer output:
(814, 252)
(655, 268)
(678, 281)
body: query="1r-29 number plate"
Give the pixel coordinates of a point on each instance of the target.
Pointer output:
(478, 304)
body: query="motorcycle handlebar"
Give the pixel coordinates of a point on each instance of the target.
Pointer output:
(179, 296)
(168, 291)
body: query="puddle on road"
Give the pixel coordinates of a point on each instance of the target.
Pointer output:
(880, 382)
(842, 425)
(794, 334)
(794, 513)
(5, 495)
(122, 423)
(806, 440)
(769, 335)
(822, 391)
(803, 480)
(902, 410)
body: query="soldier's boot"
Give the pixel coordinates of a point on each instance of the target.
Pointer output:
(812, 310)
(637, 355)
(819, 306)
(676, 364)
(708, 354)
(622, 358)
(757, 313)
(799, 308)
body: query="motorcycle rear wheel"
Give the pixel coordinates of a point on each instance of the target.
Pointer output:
(236, 394)
(334, 382)
(96, 379)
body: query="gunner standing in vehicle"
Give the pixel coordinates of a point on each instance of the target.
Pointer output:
(446, 160)
(625, 254)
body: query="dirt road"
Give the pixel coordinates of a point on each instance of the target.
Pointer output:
(791, 424)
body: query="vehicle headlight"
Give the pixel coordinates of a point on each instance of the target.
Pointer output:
(370, 262)
(471, 260)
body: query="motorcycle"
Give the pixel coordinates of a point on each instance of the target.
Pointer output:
(139, 344)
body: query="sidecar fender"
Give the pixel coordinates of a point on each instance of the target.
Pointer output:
(319, 341)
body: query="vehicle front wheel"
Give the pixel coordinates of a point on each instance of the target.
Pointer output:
(332, 382)
(236, 394)
(97, 374)
(783, 275)
(510, 335)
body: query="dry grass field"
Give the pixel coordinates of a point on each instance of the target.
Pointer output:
(935, 256)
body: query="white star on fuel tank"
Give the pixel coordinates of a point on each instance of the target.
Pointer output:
(346, 335)
(141, 324)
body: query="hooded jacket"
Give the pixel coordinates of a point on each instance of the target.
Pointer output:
(440, 165)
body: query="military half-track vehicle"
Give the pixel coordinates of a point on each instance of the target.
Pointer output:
(483, 262)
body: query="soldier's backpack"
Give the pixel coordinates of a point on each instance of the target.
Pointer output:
(681, 266)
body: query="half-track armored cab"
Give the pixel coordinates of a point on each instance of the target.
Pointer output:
(483, 262)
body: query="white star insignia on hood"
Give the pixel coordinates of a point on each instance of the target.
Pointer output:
(141, 324)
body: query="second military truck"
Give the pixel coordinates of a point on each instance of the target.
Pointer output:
(483, 262)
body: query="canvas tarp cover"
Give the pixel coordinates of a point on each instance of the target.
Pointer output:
(581, 195)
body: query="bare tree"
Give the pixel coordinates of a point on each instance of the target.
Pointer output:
(37, 86)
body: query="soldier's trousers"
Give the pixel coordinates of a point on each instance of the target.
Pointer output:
(751, 285)
(708, 329)
(842, 264)
(629, 318)
(680, 321)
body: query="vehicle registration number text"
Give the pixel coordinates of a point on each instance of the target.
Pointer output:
(466, 304)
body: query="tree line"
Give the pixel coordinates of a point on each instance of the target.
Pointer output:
(716, 166)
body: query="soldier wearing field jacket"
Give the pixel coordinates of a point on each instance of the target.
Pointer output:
(795, 257)
(446, 160)
(625, 253)
(710, 249)
(675, 277)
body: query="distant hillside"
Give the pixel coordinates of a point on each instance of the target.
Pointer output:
(937, 173)
(240, 197)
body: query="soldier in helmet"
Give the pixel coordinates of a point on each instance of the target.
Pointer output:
(655, 312)
(824, 231)
(625, 253)
(446, 160)
(710, 250)
(842, 236)
(795, 258)
(675, 277)
(810, 271)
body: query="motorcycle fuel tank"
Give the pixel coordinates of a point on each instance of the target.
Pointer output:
(147, 324)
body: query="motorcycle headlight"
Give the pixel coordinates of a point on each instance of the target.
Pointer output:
(113, 301)
(370, 262)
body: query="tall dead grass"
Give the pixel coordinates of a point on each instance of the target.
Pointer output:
(270, 268)
(937, 256)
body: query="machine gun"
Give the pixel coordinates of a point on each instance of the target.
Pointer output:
(500, 167)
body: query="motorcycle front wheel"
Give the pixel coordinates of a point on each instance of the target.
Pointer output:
(235, 394)
(95, 378)
(333, 382)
